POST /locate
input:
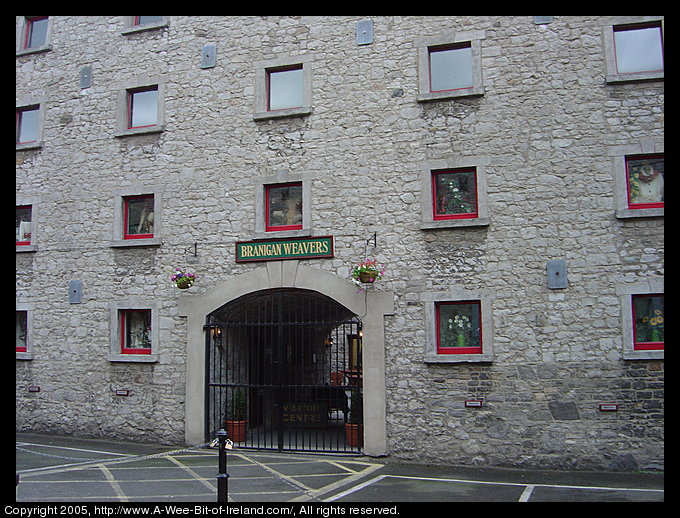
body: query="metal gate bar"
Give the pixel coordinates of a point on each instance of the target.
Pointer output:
(294, 359)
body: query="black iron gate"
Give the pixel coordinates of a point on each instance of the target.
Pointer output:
(284, 372)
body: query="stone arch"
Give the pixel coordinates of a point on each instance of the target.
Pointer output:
(371, 306)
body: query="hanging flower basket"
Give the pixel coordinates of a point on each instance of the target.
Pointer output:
(182, 279)
(367, 273)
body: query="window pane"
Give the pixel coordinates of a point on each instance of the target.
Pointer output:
(139, 217)
(284, 206)
(638, 50)
(645, 181)
(451, 69)
(36, 35)
(143, 108)
(649, 322)
(137, 329)
(27, 125)
(459, 325)
(285, 89)
(455, 193)
(143, 20)
(21, 319)
(23, 225)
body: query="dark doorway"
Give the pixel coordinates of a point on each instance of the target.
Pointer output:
(289, 363)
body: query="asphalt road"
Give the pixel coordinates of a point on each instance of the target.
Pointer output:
(66, 470)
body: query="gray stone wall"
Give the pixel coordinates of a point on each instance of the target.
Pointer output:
(548, 130)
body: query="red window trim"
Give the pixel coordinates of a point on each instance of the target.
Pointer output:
(19, 115)
(130, 105)
(461, 215)
(440, 48)
(653, 205)
(644, 346)
(126, 215)
(635, 26)
(123, 321)
(274, 228)
(24, 348)
(272, 70)
(458, 350)
(29, 29)
(21, 243)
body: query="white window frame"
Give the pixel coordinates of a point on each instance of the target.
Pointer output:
(282, 176)
(22, 27)
(115, 338)
(612, 74)
(122, 109)
(623, 211)
(427, 220)
(29, 308)
(119, 240)
(423, 46)
(458, 294)
(260, 98)
(625, 293)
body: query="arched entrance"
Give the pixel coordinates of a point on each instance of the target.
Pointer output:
(284, 371)
(372, 307)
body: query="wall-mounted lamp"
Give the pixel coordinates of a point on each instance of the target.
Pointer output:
(328, 342)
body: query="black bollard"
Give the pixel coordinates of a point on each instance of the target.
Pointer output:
(222, 474)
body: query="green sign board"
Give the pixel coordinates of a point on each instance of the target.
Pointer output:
(282, 249)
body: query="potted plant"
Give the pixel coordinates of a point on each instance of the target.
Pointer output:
(354, 427)
(236, 422)
(367, 272)
(182, 279)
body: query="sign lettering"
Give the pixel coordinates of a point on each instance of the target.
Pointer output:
(282, 249)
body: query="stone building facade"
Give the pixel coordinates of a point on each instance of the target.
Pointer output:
(541, 136)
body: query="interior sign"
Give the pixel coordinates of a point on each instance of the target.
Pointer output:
(282, 249)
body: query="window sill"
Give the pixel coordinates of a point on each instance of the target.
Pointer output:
(643, 355)
(639, 213)
(24, 356)
(474, 91)
(279, 114)
(35, 50)
(634, 78)
(26, 248)
(133, 358)
(455, 223)
(130, 132)
(458, 358)
(146, 27)
(279, 234)
(132, 243)
(30, 145)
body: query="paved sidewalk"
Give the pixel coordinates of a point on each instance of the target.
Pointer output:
(61, 469)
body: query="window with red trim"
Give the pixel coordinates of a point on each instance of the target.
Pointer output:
(285, 88)
(138, 217)
(27, 124)
(283, 206)
(22, 331)
(135, 331)
(23, 224)
(36, 31)
(648, 322)
(142, 107)
(639, 48)
(450, 67)
(144, 20)
(459, 327)
(645, 181)
(454, 193)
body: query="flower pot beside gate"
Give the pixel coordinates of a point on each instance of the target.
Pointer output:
(236, 422)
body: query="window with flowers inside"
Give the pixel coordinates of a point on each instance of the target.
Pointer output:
(135, 331)
(645, 181)
(458, 327)
(648, 322)
(455, 194)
